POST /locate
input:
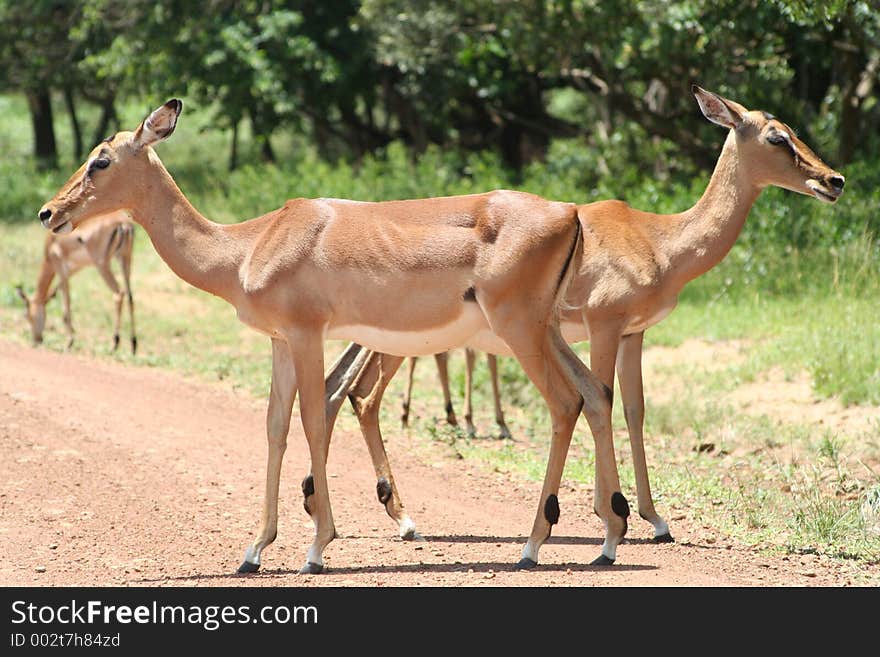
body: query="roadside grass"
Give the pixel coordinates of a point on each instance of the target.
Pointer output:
(786, 486)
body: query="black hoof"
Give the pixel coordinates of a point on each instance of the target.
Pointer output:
(602, 560)
(248, 567)
(526, 564)
(311, 568)
(664, 538)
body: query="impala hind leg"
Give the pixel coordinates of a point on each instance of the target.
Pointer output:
(595, 385)
(629, 374)
(503, 431)
(118, 297)
(281, 396)
(366, 398)
(442, 360)
(564, 403)
(125, 263)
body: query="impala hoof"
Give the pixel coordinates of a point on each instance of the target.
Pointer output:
(407, 530)
(664, 538)
(526, 564)
(248, 567)
(602, 560)
(311, 568)
(411, 535)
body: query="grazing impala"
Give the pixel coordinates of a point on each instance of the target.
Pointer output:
(402, 277)
(442, 361)
(634, 266)
(95, 243)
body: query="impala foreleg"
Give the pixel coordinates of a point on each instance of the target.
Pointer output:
(307, 349)
(407, 393)
(65, 299)
(366, 399)
(470, 357)
(339, 381)
(503, 431)
(595, 385)
(281, 396)
(629, 374)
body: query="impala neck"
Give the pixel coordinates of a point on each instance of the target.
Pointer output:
(709, 229)
(44, 280)
(198, 250)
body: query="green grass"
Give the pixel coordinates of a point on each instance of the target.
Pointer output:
(799, 292)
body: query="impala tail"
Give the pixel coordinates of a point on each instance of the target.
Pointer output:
(121, 240)
(572, 265)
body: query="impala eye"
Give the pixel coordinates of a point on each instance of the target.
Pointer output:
(776, 139)
(101, 163)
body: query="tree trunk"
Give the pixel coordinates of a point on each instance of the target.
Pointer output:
(266, 149)
(108, 116)
(233, 149)
(855, 91)
(261, 131)
(524, 134)
(850, 112)
(45, 148)
(74, 124)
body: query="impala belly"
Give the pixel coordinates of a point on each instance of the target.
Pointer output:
(72, 262)
(486, 340)
(639, 324)
(574, 331)
(424, 342)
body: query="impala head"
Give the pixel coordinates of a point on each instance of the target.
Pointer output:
(113, 173)
(35, 313)
(770, 149)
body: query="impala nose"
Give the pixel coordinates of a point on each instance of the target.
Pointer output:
(837, 182)
(45, 214)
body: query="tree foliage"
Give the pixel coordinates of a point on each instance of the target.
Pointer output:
(511, 76)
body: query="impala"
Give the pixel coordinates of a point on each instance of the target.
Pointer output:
(634, 265)
(408, 278)
(442, 360)
(96, 243)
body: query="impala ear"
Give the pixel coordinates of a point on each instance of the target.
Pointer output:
(719, 110)
(159, 124)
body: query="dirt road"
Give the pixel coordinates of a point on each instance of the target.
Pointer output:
(114, 475)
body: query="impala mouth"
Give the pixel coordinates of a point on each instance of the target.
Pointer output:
(822, 193)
